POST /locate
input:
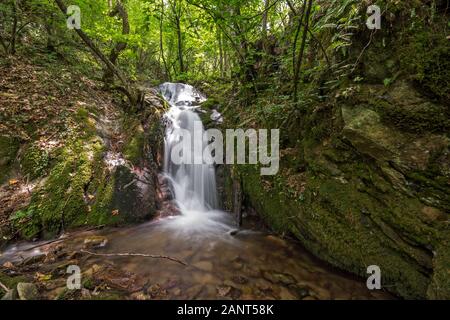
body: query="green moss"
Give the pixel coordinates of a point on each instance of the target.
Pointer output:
(134, 149)
(101, 213)
(25, 223)
(211, 103)
(10, 281)
(35, 161)
(348, 225)
(427, 117)
(440, 285)
(61, 203)
(83, 118)
(425, 55)
(8, 150)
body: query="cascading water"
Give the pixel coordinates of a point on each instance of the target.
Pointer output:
(193, 185)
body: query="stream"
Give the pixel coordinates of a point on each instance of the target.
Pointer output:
(219, 261)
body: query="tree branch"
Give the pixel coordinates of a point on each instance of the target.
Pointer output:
(131, 94)
(152, 256)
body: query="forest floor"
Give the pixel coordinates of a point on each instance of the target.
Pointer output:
(42, 102)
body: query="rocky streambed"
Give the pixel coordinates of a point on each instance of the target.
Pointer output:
(154, 261)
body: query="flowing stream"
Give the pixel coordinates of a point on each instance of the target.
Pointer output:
(219, 264)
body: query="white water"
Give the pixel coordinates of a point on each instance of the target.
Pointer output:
(194, 185)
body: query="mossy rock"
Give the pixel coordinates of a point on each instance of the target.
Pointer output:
(8, 149)
(134, 149)
(440, 285)
(351, 226)
(35, 161)
(60, 201)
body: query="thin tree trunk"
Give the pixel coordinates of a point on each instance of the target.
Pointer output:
(302, 51)
(161, 42)
(221, 58)
(264, 19)
(176, 11)
(180, 45)
(118, 10)
(12, 49)
(297, 33)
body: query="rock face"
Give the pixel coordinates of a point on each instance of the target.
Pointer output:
(366, 180)
(372, 194)
(107, 175)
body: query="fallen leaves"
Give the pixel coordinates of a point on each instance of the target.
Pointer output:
(13, 182)
(41, 277)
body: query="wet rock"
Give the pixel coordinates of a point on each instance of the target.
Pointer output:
(277, 240)
(155, 291)
(285, 294)
(364, 130)
(300, 291)
(86, 294)
(9, 265)
(223, 291)
(251, 272)
(204, 265)
(95, 242)
(194, 292)
(228, 291)
(134, 194)
(10, 295)
(27, 291)
(278, 277)
(177, 292)
(239, 279)
(39, 258)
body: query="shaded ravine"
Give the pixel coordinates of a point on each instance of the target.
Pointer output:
(219, 262)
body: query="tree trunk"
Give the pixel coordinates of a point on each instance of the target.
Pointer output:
(12, 49)
(302, 50)
(264, 20)
(221, 56)
(161, 42)
(180, 46)
(118, 10)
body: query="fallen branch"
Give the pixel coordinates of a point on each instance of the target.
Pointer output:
(152, 256)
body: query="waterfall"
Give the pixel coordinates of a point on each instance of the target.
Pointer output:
(194, 185)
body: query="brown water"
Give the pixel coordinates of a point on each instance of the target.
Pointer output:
(248, 265)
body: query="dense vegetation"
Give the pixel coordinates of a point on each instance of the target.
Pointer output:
(364, 117)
